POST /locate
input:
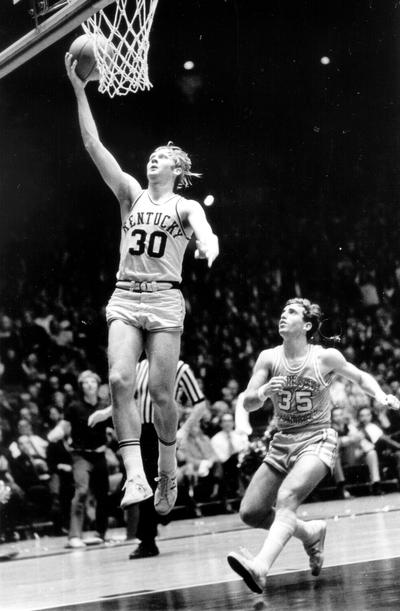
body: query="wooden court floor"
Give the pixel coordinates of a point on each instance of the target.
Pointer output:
(361, 571)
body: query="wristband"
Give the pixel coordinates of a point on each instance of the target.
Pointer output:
(262, 397)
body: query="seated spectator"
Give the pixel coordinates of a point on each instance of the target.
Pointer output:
(32, 414)
(11, 509)
(36, 447)
(211, 421)
(383, 443)
(199, 470)
(31, 368)
(26, 476)
(353, 449)
(227, 445)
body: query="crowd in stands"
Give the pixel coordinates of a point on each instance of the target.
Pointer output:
(52, 328)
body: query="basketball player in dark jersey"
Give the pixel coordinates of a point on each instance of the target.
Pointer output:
(146, 310)
(296, 377)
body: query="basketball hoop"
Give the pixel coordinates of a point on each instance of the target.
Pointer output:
(121, 45)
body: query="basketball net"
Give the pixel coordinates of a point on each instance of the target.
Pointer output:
(121, 44)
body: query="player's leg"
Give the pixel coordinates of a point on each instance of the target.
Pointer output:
(162, 349)
(307, 472)
(295, 487)
(257, 506)
(125, 345)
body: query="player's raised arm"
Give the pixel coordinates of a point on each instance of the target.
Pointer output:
(333, 361)
(206, 241)
(261, 385)
(124, 186)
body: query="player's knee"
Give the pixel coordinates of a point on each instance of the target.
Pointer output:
(162, 398)
(120, 382)
(249, 515)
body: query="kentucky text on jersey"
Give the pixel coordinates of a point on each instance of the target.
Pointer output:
(158, 219)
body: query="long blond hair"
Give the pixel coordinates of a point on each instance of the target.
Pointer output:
(183, 161)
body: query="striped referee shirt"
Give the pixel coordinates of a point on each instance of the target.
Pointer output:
(185, 384)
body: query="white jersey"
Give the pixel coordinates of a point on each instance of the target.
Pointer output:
(304, 402)
(153, 241)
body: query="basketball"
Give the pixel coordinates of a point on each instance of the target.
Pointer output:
(82, 49)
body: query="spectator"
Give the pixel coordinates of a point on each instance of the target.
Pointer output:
(199, 470)
(383, 443)
(211, 422)
(227, 445)
(26, 476)
(89, 465)
(34, 445)
(11, 511)
(354, 449)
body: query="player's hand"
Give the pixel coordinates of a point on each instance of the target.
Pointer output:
(70, 66)
(96, 417)
(207, 250)
(276, 384)
(392, 402)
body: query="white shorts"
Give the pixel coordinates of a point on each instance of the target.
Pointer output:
(156, 311)
(286, 448)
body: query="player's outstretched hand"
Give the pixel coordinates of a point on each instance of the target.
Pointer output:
(207, 250)
(392, 402)
(70, 66)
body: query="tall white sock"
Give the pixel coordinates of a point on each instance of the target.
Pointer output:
(132, 457)
(167, 456)
(279, 534)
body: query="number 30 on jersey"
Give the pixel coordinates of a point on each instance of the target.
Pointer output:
(155, 247)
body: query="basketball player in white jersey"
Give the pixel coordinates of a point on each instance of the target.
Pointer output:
(147, 309)
(296, 377)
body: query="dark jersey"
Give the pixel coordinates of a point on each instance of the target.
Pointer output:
(83, 436)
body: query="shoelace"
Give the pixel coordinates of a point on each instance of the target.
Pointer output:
(163, 480)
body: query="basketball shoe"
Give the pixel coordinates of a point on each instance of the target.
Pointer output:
(136, 489)
(315, 550)
(244, 565)
(166, 493)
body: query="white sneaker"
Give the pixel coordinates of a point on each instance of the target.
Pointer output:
(136, 489)
(243, 564)
(75, 543)
(166, 493)
(315, 550)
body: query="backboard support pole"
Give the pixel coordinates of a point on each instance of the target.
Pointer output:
(48, 32)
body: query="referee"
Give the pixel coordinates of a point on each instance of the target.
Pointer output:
(186, 386)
